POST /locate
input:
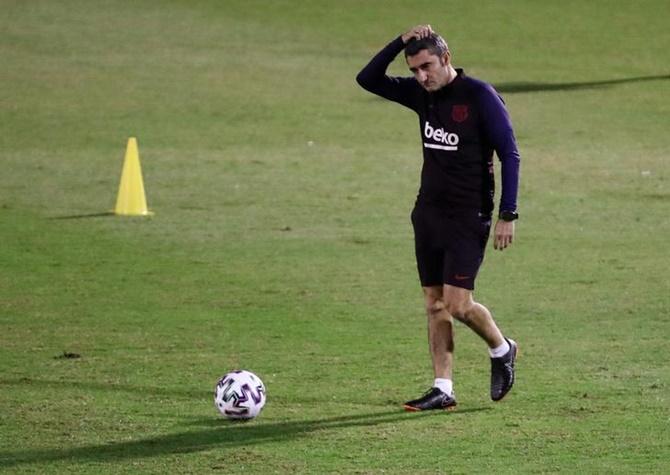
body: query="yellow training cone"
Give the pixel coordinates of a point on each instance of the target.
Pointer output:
(131, 200)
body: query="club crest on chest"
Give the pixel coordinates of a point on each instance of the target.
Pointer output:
(459, 113)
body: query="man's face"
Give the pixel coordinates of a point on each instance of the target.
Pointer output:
(429, 70)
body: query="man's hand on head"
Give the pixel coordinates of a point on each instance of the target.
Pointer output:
(418, 32)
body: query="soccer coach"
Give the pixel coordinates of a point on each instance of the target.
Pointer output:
(462, 122)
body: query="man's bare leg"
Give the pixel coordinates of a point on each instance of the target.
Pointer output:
(441, 344)
(440, 332)
(460, 305)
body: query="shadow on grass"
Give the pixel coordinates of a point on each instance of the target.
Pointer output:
(147, 392)
(224, 434)
(93, 386)
(84, 216)
(524, 87)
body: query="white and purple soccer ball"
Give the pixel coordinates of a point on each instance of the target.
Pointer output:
(239, 394)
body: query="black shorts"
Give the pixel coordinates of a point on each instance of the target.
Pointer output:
(449, 245)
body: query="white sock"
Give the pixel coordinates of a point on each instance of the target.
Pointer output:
(499, 351)
(444, 385)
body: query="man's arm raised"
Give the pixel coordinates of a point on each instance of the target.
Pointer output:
(373, 77)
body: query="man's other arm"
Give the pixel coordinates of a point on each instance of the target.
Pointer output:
(499, 132)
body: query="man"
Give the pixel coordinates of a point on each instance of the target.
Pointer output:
(462, 121)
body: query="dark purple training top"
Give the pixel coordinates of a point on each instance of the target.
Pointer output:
(461, 125)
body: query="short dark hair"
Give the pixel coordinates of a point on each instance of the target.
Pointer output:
(434, 43)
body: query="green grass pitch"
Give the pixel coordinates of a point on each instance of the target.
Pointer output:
(281, 240)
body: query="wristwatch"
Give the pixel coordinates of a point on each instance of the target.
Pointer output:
(508, 215)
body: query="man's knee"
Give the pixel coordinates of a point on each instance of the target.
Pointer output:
(435, 307)
(458, 309)
(458, 302)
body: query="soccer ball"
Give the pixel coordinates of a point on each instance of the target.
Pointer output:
(239, 394)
